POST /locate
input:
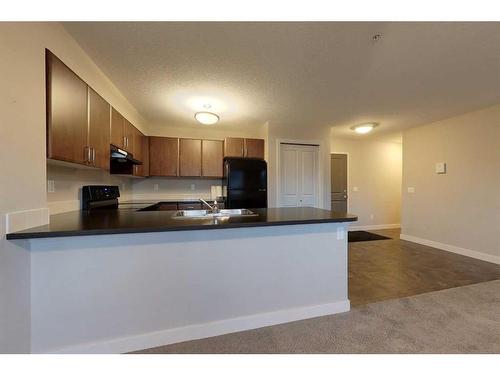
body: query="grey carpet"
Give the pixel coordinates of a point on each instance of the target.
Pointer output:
(459, 320)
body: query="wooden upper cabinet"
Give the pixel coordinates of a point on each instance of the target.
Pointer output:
(190, 157)
(137, 143)
(67, 126)
(254, 148)
(163, 156)
(212, 158)
(129, 131)
(139, 152)
(117, 137)
(234, 147)
(144, 168)
(99, 123)
(244, 148)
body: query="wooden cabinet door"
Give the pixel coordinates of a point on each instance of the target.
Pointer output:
(99, 127)
(211, 158)
(163, 156)
(138, 151)
(144, 168)
(129, 131)
(190, 157)
(67, 126)
(117, 129)
(234, 147)
(254, 148)
(137, 143)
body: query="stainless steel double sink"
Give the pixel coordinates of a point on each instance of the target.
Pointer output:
(204, 214)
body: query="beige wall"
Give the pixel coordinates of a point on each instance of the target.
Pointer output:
(22, 151)
(462, 207)
(374, 168)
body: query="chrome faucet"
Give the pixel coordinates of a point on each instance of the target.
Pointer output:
(214, 209)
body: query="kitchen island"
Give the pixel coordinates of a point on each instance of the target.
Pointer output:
(113, 281)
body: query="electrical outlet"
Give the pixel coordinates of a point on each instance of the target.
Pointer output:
(372, 216)
(51, 186)
(155, 187)
(355, 188)
(193, 187)
(411, 189)
(441, 168)
(123, 187)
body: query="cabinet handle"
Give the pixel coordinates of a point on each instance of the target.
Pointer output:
(87, 154)
(93, 156)
(124, 141)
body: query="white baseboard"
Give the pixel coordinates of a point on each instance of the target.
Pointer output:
(374, 227)
(199, 331)
(454, 249)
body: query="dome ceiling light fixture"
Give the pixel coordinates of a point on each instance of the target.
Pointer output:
(206, 118)
(364, 128)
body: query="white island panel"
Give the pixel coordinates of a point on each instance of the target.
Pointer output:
(118, 293)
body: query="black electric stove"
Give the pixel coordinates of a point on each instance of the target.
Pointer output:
(100, 197)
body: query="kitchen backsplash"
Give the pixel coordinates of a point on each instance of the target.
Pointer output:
(64, 186)
(172, 188)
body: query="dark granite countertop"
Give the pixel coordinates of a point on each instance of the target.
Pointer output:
(81, 223)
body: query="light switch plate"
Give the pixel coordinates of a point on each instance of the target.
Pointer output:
(355, 188)
(51, 186)
(340, 233)
(440, 168)
(411, 189)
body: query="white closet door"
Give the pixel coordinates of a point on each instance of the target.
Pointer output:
(289, 176)
(308, 176)
(298, 175)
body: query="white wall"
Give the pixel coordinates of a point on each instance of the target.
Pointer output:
(22, 152)
(460, 209)
(375, 168)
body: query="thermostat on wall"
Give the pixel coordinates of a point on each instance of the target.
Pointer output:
(440, 167)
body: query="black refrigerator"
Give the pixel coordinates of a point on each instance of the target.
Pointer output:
(245, 183)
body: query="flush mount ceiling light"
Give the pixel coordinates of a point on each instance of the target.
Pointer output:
(206, 118)
(364, 128)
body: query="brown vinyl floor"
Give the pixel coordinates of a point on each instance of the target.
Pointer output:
(386, 269)
(390, 312)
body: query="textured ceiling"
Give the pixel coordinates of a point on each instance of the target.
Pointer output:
(299, 74)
